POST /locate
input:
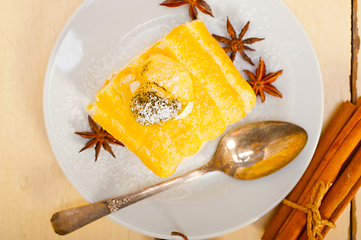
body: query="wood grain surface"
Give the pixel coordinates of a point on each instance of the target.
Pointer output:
(32, 185)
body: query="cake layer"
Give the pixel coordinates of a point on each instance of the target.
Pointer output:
(188, 51)
(187, 59)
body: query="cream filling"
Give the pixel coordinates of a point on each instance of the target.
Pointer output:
(187, 110)
(134, 86)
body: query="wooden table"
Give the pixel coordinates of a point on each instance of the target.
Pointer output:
(32, 185)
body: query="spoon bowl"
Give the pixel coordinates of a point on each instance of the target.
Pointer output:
(258, 149)
(248, 152)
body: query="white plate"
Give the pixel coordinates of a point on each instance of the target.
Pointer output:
(102, 35)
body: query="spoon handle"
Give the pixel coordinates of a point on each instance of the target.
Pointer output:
(67, 221)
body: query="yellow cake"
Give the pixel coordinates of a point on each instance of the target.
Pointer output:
(181, 92)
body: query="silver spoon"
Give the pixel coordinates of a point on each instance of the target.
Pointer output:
(248, 152)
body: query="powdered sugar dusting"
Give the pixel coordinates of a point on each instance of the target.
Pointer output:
(152, 109)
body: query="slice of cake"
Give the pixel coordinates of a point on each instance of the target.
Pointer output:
(183, 91)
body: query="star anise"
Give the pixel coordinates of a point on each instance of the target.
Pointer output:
(237, 44)
(262, 83)
(99, 137)
(175, 234)
(193, 5)
(179, 234)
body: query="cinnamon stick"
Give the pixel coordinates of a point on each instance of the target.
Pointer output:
(327, 171)
(343, 205)
(341, 192)
(342, 116)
